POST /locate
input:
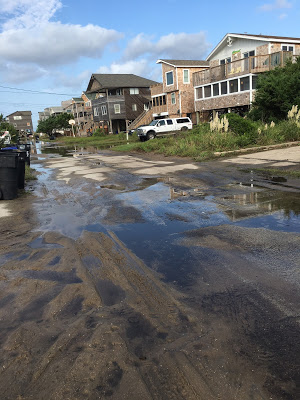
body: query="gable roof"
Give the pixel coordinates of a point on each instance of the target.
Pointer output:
(23, 113)
(77, 100)
(90, 96)
(184, 63)
(115, 81)
(264, 38)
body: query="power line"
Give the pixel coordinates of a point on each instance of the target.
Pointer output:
(37, 91)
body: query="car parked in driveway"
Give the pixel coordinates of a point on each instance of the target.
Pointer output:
(161, 127)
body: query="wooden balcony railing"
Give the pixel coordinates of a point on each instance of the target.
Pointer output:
(253, 64)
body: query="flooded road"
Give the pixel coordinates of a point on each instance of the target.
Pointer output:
(130, 277)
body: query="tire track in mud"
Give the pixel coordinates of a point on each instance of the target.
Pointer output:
(159, 332)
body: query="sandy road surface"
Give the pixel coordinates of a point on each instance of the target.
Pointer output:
(143, 278)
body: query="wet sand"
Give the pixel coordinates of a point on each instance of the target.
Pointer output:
(149, 278)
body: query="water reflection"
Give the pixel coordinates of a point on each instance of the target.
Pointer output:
(262, 202)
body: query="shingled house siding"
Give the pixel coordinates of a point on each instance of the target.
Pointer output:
(233, 100)
(169, 88)
(139, 99)
(21, 124)
(157, 89)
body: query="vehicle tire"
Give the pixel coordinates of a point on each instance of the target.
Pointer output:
(184, 128)
(142, 138)
(150, 135)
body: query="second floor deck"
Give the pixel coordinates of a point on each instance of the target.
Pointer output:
(253, 64)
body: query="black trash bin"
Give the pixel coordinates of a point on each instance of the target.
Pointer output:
(21, 164)
(26, 147)
(8, 175)
(21, 169)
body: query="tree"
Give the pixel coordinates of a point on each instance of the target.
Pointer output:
(276, 92)
(5, 126)
(53, 123)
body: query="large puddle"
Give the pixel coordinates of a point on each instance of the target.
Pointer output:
(152, 216)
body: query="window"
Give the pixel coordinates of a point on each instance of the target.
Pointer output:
(199, 94)
(117, 108)
(103, 110)
(186, 76)
(169, 122)
(161, 123)
(223, 87)
(134, 107)
(88, 104)
(246, 57)
(207, 91)
(160, 101)
(249, 54)
(275, 59)
(182, 120)
(287, 48)
(119, 92)
(169, 78)
(134, 91)
(245, 83)
(254, 81)
(225, 60)
(146, 107)
(173, 98)
(164, 100)
(216, 89)
(17, 117)
(233, 86)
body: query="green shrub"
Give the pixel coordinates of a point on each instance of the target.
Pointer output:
(99, 132)
(239, 125)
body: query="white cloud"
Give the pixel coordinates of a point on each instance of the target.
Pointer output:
(76, 83)
(278, 4)
(282, 16)
(15, 73)
(174, 45)
(142, 67)
(28, 13)
(55, 43)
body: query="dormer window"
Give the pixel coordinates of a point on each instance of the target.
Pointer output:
(169, 78)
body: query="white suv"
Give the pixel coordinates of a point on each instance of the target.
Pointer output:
(160, 127)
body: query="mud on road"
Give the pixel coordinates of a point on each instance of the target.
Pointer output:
(125, 277)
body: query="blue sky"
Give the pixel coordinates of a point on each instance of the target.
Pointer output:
(55, 45)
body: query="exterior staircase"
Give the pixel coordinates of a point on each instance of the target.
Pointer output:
(143, 119)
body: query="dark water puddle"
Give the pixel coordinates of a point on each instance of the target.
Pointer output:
(13, 256)
(34, 310)
(72, 308)
(54, 261)
(39, 243)
(6, 257)
(113, 187)
(60, 150)
(110, 293)
(55, 276)
(43, 173)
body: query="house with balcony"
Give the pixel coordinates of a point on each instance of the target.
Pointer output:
(118, 99)
(234, 64)
(174, 97)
